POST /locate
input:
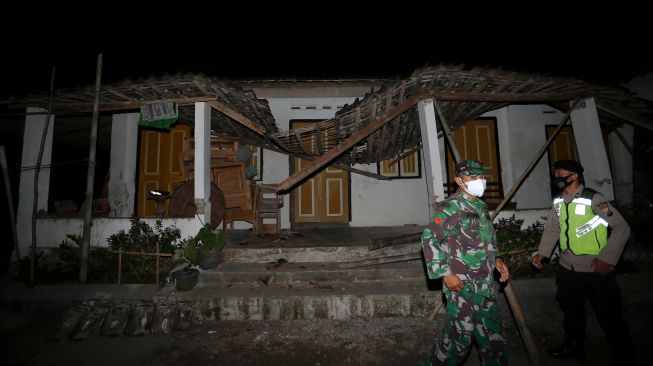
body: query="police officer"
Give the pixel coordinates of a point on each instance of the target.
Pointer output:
(580, 219)
(460, 247)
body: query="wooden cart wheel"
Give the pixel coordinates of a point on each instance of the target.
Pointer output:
(182, 203)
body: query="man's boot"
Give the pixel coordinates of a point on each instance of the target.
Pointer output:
(569, 349)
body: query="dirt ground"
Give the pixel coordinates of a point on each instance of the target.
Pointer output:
(390, 341)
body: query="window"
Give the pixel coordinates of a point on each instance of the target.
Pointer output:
(407, 167)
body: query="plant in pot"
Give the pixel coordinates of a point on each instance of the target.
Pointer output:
(203, 249)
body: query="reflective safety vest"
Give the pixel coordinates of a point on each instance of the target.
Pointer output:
(581, 230)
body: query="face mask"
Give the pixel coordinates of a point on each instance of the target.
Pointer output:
(561, 182)
(476, 187)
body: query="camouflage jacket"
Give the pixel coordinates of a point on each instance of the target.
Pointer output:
(460, 239)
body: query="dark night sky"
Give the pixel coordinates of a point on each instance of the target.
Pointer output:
(240, 45)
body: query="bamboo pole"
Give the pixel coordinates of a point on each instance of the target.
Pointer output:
(156, 254)
(32, 257)
(533, 162)
(447, 132)
(10, 201)
(88, 208)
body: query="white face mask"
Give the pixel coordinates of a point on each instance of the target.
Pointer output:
(476, 187)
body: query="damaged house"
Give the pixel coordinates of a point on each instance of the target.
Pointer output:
(362, 153)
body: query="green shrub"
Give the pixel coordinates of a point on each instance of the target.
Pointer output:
(205, 239)
(61, 264)
(517, 244)
(141, 238)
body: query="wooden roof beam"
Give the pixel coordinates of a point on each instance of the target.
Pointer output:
(625, 118)
(113, 106)
(509, 97)
(222, 108)
(347, 144)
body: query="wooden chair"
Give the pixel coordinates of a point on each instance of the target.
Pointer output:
(268, 206)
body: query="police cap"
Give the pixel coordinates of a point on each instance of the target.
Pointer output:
(569, 165)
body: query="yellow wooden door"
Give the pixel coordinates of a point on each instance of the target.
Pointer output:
(324, 197)
(563, 146)
(160, 165)
(476, 140)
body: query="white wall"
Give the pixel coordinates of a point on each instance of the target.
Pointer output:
(383, 203)
(522, 133)
(34, 125)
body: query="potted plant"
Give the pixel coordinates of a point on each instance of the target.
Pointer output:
(203, 249)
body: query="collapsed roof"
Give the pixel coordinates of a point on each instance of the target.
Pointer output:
(388, 114)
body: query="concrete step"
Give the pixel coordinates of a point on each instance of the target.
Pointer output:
(304, 272)
(341, 300)
(332, 253)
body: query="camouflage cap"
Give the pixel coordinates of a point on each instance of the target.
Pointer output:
(470, 167)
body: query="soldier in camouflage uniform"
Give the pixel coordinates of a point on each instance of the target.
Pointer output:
(460, 247)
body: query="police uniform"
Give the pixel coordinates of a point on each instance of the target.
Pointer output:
(580, 222)
(460, 239)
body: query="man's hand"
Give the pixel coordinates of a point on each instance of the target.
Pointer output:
(453, 283)
(601, 267)
(537, 261)
(503, 269)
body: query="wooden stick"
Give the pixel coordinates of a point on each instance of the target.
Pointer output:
(381, 260)
(389, 241)
(157, 263)
(90, 176)
(119, 265)
(526, 336)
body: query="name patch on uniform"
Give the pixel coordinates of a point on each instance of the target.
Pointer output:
(580, 210)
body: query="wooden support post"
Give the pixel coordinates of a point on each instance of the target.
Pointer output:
(90, 176)
(623, 140)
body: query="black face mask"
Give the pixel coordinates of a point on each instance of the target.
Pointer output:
(561, 182)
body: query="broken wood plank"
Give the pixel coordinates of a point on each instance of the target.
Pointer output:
(221, 107)
(374, 244)
(381, 260)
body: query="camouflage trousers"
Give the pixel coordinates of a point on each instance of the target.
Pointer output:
(471, 315)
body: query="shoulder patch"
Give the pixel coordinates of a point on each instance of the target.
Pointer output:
(604, 207)
(439, 217)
